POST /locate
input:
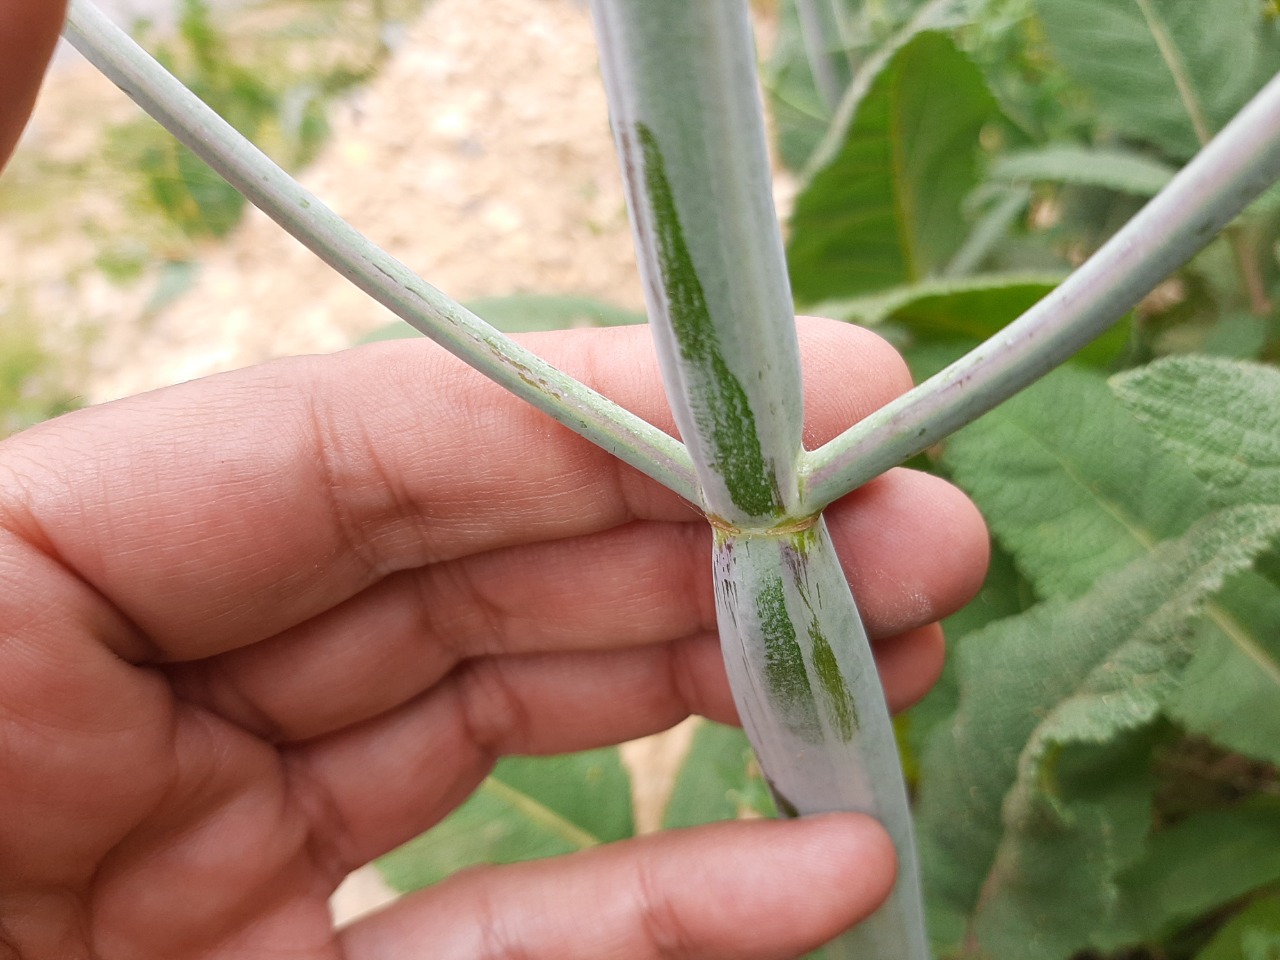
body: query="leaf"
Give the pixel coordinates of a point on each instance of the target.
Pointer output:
(718, 779)
(800, 113)
(529, 807)
(1111, 168)
(840, 35)
(1252, 934)
(1004, 593)
(525, 312)
(974, 306)
(1071, 483)
(1232, 689)
(1063, 676)
(1077, 817)
(1220, 417)
(1196, 866)
(1239, 335)
(1169, 72)
(1222, 420)
(887, 209)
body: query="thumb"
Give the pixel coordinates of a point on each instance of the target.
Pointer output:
(747, 890)
(28, 31)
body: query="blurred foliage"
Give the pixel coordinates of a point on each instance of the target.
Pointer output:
(30, 387)
(249, 69)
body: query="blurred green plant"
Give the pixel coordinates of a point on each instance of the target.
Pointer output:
(30, 388)
(279, 102)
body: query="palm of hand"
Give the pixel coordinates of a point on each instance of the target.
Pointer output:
(257, 630)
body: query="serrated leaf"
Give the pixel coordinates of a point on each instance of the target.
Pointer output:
(1232, 689)
(529, 807)
(1170, 72)
(1196, 866)
(1220, 417)
(1071, 483)
(887, 209)
(1076, 818)
(1066, 672)
(1252, 934)
(1111, 168)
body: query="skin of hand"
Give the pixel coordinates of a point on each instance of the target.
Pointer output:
(258, 629)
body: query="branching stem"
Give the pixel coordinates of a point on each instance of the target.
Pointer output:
(371, 269)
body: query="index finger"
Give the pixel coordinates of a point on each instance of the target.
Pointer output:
(217, 513)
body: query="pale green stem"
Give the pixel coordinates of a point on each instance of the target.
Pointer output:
(1223, 178)
(371, 269)
(687, 117)
(690, 131)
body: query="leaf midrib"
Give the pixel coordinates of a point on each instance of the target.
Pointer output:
(1219, 616)
(1178, 70)
(540, 814)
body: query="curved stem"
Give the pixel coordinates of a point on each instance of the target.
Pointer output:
(371, 269)
(1223, 178)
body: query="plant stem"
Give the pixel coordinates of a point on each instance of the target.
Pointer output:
(1223, 178)
(371, 269)
(690, 130)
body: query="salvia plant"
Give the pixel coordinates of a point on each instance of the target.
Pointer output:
(1130, 529)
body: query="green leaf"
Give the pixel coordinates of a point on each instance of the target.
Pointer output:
(1071, 483)
(1169, 72)
(529, 807)
(1252, 934)
(974, 306)
(887, 209)
(1207, 860)
(800, 114)
(719, 779)
(1004, 593)
(1111, 168)
(1232, 690)
(1077, 817)
(1220, 417)
(1037, 692)
(1239, 336)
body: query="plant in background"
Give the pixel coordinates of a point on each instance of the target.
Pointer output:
(1134, 600)
(29, 390)
(273, 101)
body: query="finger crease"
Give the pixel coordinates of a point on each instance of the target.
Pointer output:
(493, 717)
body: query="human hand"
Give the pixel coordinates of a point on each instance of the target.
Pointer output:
(258, 629)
